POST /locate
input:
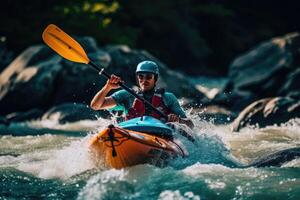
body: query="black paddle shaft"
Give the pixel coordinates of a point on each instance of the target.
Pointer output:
(106, 75)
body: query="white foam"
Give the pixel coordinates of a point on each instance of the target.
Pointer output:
(100, 184)
(176, 195)
(71, 159)
(294, 163)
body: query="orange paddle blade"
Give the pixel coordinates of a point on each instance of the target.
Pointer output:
(64, 45)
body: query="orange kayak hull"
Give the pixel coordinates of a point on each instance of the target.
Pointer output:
(120, 148)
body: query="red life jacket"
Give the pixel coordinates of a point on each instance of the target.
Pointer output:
(138, 108)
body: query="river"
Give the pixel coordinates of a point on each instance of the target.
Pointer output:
(46, 160)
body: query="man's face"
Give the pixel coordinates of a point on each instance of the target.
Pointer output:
(146, 81)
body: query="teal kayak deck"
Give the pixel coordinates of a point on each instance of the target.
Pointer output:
(147, 124)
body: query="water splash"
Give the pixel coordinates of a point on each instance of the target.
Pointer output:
(251, 144)
(47, 156)
(210, 172)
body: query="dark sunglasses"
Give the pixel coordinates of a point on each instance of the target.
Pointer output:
(146, 76)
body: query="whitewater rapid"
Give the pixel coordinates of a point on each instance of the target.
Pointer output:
(46, 154)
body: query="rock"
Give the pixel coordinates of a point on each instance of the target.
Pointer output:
(262, 71)
(250, 115)
(24, 116)
(268, 111)
(70, 112)
(277, 159)
(78, 82)
(292, 85)
(28, 82)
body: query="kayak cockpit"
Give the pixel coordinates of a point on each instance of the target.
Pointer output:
(150, 125)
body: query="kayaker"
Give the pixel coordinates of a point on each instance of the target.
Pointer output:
(147, 73)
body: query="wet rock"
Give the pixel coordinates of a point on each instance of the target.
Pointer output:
(24, 116)
(28, 82)
(71, 112)
(262, 71)
(278, 158)
(292, 85)
(268, 111)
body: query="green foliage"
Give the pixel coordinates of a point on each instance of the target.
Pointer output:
(192, 35)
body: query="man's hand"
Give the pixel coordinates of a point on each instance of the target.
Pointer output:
(173, 118)
(113, 82)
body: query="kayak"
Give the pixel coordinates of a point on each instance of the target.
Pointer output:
(137, 141)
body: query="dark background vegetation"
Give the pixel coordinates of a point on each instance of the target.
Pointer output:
(193, 36)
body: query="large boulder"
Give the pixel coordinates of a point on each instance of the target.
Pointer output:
(28, 82)
(268, 111)
(291, 86)
(262, 71)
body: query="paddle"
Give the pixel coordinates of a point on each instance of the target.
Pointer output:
(70, 49)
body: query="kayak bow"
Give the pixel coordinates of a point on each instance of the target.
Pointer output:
(135, 142)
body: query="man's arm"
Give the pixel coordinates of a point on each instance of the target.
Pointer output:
(100, 101)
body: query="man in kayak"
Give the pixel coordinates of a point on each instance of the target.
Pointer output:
(147, 73)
